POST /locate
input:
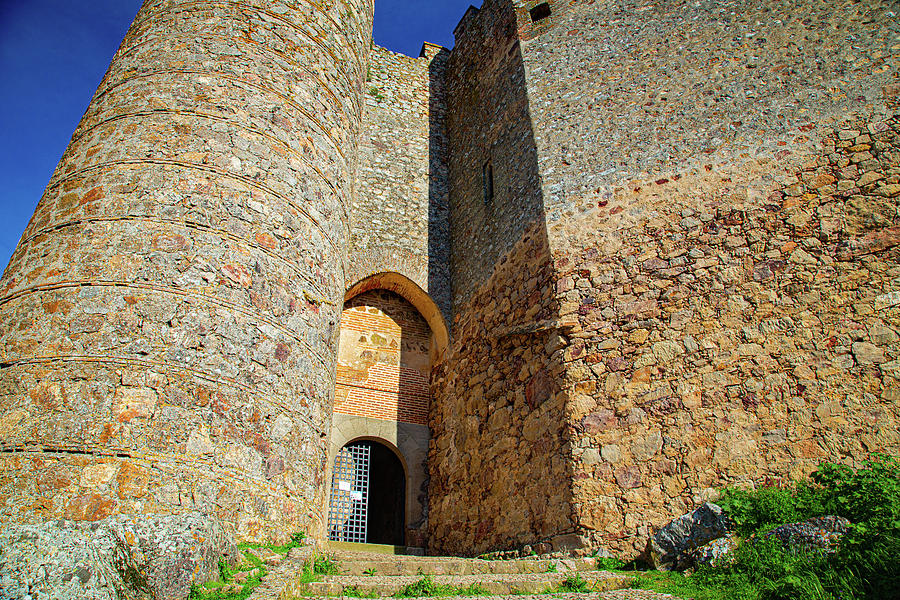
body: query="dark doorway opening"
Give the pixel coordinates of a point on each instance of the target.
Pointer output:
(368, 496)
(387, 498)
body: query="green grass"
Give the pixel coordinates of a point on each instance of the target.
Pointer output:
(573, 583)
(353, 591)
(611, 563)
(317, 567)
(675, 584)
(295, 541)
(428, 587)
(212, 590)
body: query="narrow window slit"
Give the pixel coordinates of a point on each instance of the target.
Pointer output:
(487, 181)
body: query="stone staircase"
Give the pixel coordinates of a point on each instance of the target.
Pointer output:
(368, 573)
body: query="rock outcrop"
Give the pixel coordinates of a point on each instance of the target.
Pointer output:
(671, 547)
(144, 557)
(818, 533)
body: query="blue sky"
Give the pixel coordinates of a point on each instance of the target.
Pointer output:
(53, 54)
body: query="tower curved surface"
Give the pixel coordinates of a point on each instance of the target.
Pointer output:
(169, 317)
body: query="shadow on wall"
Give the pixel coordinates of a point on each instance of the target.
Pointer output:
(498, 462)
(439, 283)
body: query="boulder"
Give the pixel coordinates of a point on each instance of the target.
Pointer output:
(716, 553)
(671, 546)
(818, 533)
(59, 561)
(124, 557)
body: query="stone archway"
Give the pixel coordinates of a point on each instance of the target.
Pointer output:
(382, 393)
(415, 295)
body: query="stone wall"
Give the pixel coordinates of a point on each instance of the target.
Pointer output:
(488, 123)
(716, 187)
(499, 462)
(737, 341)
(499, 459)
(623, 90)
(400, 215)
(168, 322)
(721, 212)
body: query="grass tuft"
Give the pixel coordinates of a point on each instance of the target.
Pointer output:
(212, 590)
(610, 563)
(428, 587)
(573, 583)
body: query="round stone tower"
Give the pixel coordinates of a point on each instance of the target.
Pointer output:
(168, 322)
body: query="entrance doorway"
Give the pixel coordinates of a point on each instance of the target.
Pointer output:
(368, 496)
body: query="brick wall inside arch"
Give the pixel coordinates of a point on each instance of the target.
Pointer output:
(383, 359)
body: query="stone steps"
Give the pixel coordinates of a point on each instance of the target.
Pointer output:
(370, 572)
(356, 548)
(491, 583)
(409, 565)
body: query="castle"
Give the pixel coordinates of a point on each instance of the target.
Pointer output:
(551, 287)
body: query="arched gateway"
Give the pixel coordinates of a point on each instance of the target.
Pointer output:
(391, 334)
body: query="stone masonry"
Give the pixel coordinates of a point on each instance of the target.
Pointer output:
(665, 237)
(170, 314)
(718, 203)
(400, 218)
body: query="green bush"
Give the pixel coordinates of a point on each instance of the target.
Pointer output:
(865, 565)
(752, 511)
(764, 568)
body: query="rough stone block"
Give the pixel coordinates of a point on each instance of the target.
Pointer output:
(670, 547)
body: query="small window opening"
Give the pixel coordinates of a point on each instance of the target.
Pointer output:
(487, 181)
(540, 12)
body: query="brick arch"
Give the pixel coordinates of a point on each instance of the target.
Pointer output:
(415, 295)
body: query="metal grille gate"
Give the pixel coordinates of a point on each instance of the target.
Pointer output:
(349, 510)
